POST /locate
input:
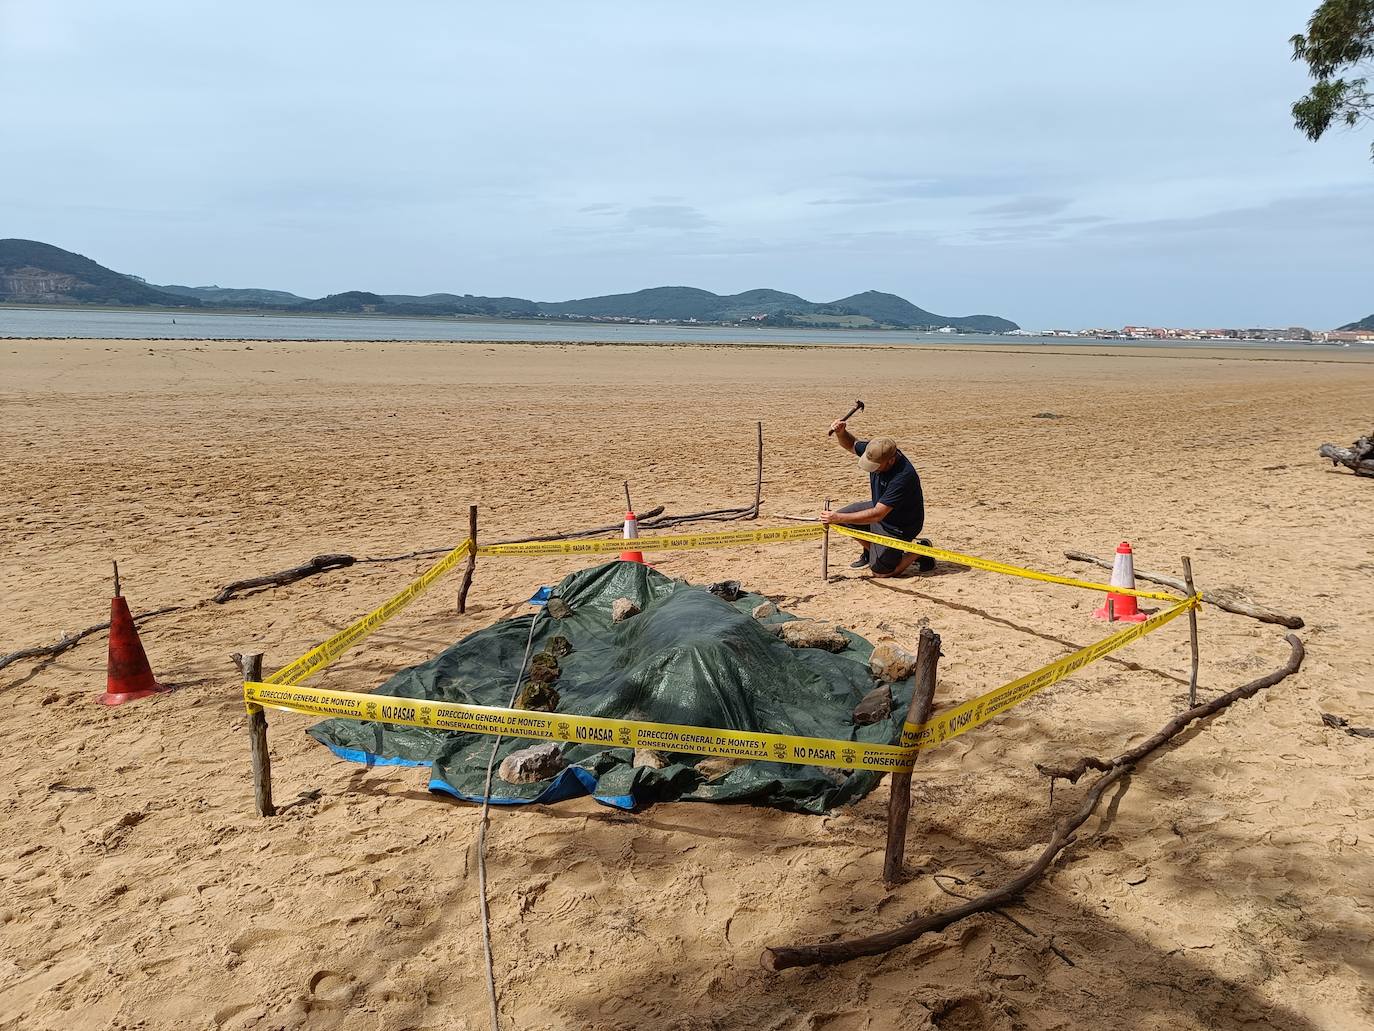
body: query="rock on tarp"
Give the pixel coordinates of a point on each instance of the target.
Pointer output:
(688, 658)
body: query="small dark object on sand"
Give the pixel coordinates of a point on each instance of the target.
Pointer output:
(1046, 415)
(1341, 723)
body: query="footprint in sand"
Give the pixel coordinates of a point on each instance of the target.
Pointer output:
(332, 988)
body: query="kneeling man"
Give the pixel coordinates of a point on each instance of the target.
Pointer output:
(897, 508)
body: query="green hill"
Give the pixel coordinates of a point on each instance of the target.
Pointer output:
(355, 302)
(671, 303)
(1366, 323)
(39, 273)
(461, 304)
(685, 303)
(891, 310)
(241, 298)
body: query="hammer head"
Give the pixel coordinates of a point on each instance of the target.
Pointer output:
(858, 406)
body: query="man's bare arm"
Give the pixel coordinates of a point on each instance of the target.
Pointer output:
(876, 514)
(842, 435)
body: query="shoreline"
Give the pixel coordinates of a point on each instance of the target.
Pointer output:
(1326, 354)
(113, 323)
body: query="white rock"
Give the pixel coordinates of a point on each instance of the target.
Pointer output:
(529, 765)
(809, 633)
(891, 662)
(717, 767)
(648, 757)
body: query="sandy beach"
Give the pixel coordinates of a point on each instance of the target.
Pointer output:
(1230, 884)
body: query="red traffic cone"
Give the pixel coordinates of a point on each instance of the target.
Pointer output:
(1123, 606)
(631, 532)
(128, 675)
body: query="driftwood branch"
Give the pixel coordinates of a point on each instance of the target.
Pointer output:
(653, 519)
(1229, 599)
(1358, 457)
(71, 640)
(1049, 943)
(318, 564)
(782, 957)
(647, 517)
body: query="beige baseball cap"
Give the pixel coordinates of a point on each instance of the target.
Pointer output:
(879, 450)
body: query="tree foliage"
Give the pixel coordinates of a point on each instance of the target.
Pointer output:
(1339, 40)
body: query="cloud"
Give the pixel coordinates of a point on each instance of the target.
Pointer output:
(666, 216)
(1026, 207)
(877, 188)
(1338, 215)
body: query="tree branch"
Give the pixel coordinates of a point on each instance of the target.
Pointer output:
(782, 957)
(72, 640)
(318, 564)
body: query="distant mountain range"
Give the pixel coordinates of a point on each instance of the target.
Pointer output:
(1366, 324)
(39, 273)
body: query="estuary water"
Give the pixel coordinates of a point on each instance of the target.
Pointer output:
(137, 325)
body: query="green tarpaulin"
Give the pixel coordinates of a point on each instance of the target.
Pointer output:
(689, 657)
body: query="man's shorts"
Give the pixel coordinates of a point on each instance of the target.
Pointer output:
(881, 559)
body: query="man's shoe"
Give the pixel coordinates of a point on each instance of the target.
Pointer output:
(861, 562)
(924, 563)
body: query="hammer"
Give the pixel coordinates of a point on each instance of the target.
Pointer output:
(858, 407)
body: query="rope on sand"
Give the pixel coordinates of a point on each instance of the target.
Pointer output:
(482, 835)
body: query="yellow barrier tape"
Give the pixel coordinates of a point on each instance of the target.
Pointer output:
(675, 542)
(318, 658)
(963, 718)
(667, 737)
(994, 567)
(582, 730)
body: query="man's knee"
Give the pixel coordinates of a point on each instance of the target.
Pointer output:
(893, 567)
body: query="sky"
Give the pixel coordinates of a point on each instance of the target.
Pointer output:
(1065, 163)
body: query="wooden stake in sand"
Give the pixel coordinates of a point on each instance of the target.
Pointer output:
(825, 550)
(758, 477)
(251, 665)
(1192, 630)
(899, 785)
(472, 561)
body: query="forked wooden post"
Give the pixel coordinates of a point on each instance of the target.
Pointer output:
(825, 550)
(472, 561)
(758, 476)
(899, 784)
(1192, 630)
(251, 665)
